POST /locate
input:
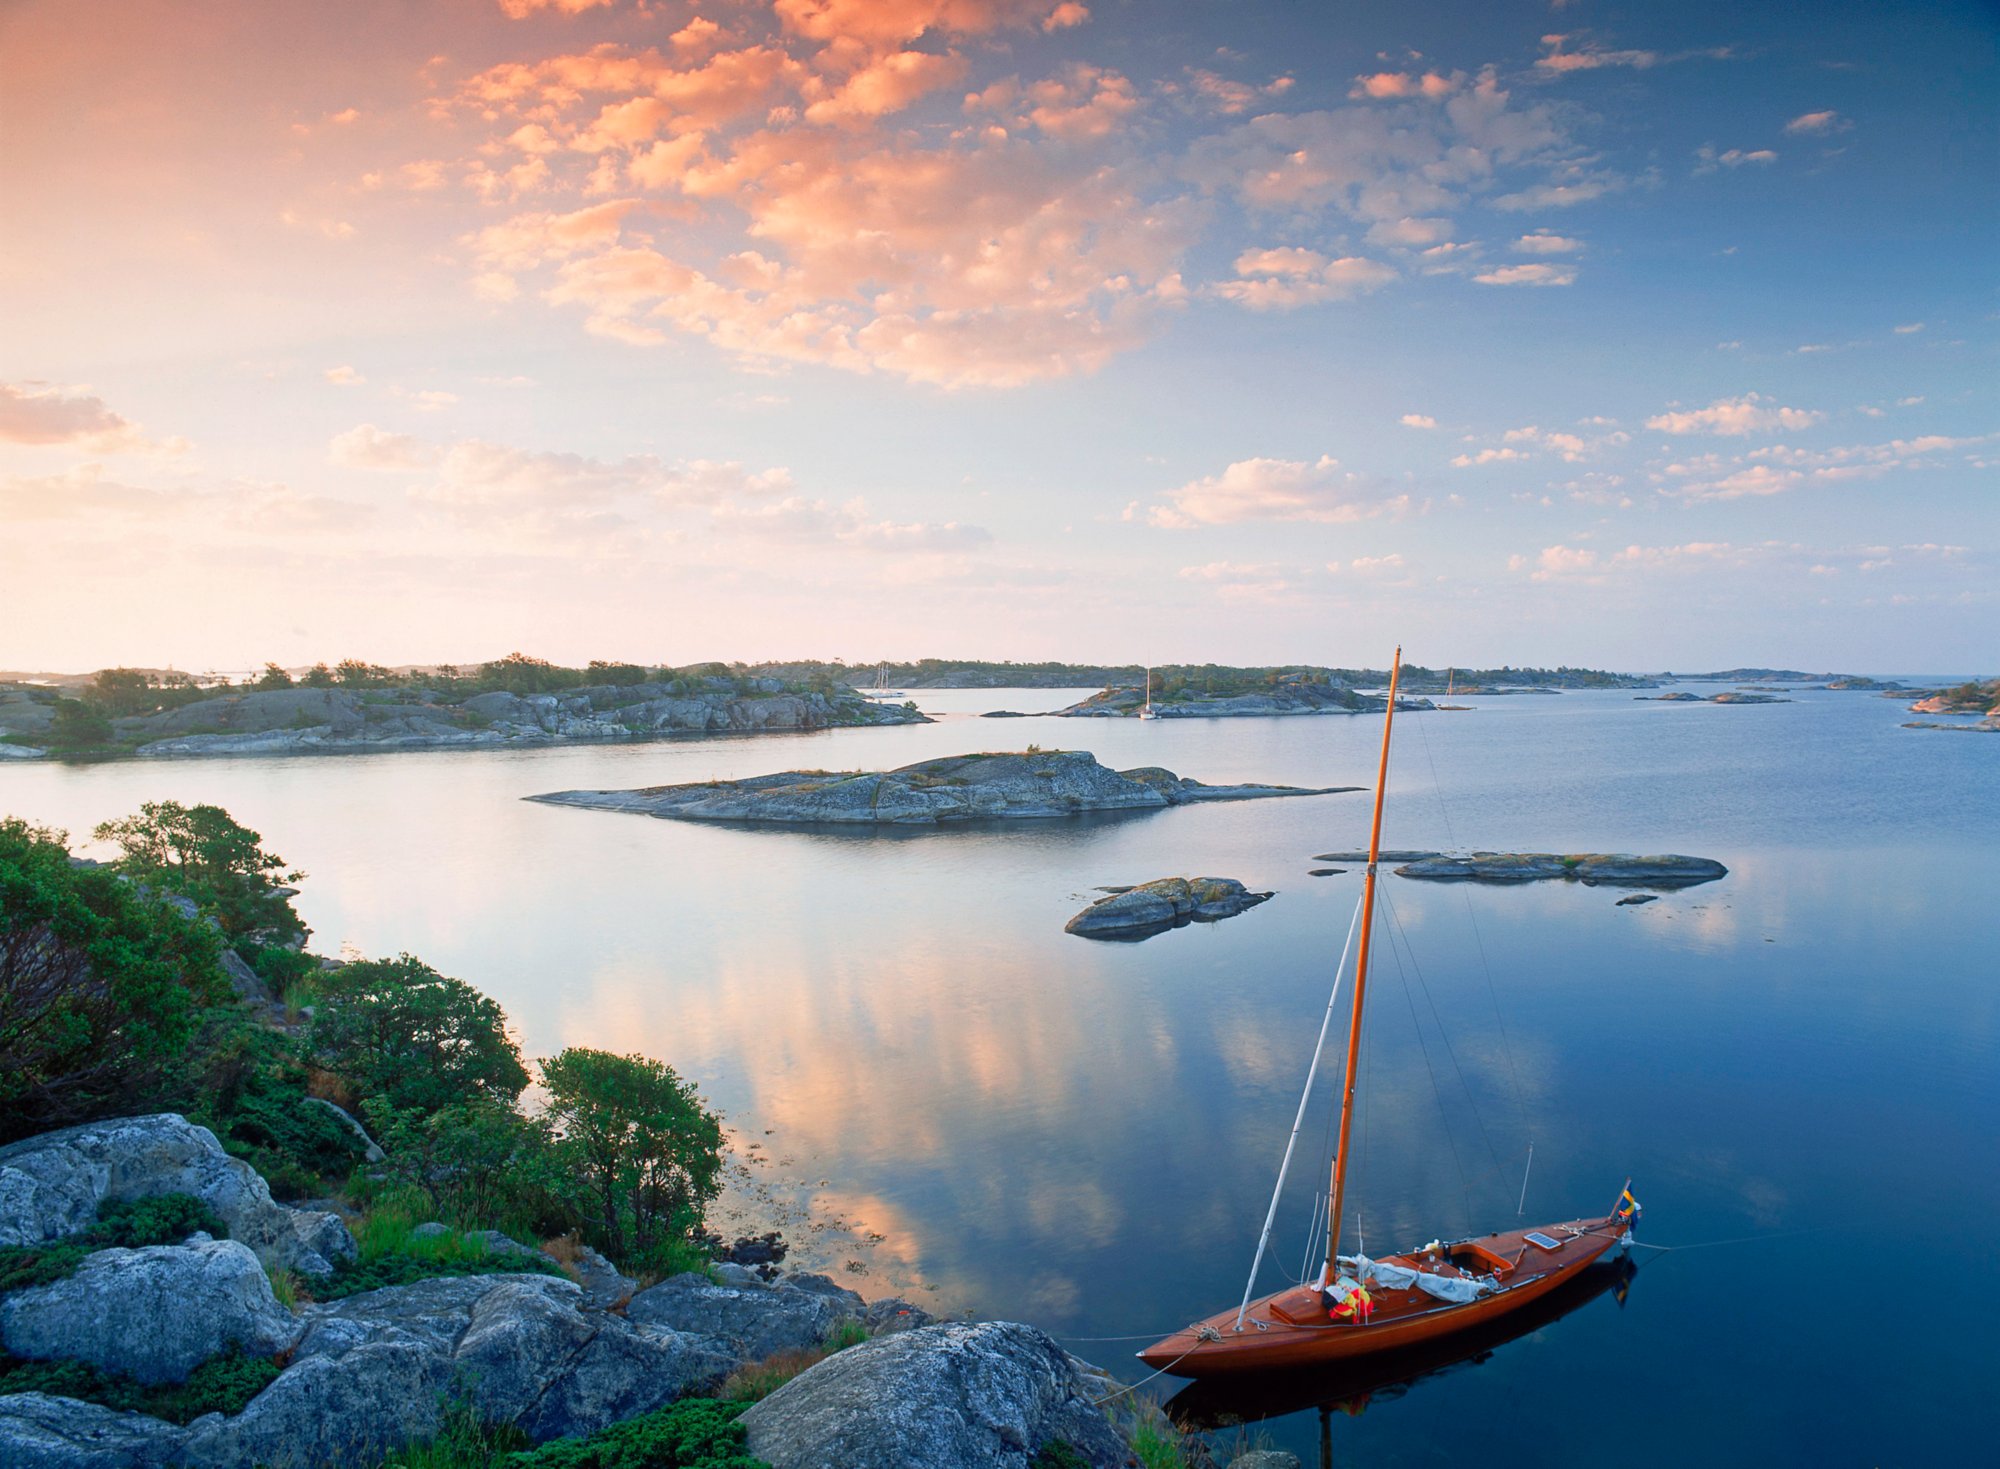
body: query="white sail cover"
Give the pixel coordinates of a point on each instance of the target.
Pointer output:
(1455, 1289)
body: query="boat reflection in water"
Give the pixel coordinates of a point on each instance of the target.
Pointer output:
(1351, 1386)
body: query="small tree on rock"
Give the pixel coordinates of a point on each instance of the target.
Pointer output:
(203, 852)
(639, 1153)
(415, 1038)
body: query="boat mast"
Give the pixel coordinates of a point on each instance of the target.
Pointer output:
(1339, 1188)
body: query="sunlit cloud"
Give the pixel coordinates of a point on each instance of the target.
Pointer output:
(1748, 414)
(1537, 274)
(1277, 489)
(1818, 122)
(38, 413)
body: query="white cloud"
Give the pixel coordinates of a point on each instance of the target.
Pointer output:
(1818, 122)
(1276, 489)
(1735, 417)
(1487, 456)
(1538, 274)
(1418, 420)
(1546, 242)
(1710, 160)
(1907, 329)
(368, 447)
(38, 413)
(344, 377)
(1280, 279)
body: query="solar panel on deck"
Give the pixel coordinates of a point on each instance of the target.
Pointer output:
(1542, 1241)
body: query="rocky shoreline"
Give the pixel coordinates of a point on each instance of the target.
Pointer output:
(1030, 784)
(534, 1352)
(339, 721)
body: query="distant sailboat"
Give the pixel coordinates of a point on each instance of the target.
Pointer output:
(1147, 711)
(1358, 1306)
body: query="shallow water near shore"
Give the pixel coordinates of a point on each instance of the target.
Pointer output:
(1804, 1056)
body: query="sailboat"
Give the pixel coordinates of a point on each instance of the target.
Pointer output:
(1357, 1306)
(1148, 712)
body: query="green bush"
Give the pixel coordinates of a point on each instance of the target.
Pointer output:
(402, 1031)
(1058, 1453)
(100, 986)
(202, 852)
(78, 726)
(633, 1150)
(695, 1433)
(391, 1253)
(162, 1219)
(466, 1441)
(247, 1084)
(223, 1384)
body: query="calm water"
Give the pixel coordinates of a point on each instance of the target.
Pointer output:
(950, 1092)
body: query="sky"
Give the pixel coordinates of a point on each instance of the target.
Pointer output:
(1613, 334)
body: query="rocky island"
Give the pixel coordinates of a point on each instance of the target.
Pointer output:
(1166, 902)
(1737, 697)
(515, 702)
(1292, 694)
(1033, 783)
(1589, 868)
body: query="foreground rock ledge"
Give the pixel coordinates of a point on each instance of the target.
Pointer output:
(953, 788)
(1166, 902)
(953, 1396)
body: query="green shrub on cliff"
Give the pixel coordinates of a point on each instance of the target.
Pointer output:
(416, 1038)
(223, 1384)
(204, 854)
(163, 1219)
(101, 985)
(695, 1433)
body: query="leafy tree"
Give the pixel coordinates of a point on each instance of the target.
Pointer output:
(100, 986)
(273, 677)
(475, 1160)
(353, 673)
(615, 673)
(319, 676)
(122, 691)
(413, 1037)
(78, 726)
(202, 852)
(640, 1153)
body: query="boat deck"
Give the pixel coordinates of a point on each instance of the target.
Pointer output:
(1291, 1327)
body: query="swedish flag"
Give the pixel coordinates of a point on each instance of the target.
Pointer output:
(1628, 1206)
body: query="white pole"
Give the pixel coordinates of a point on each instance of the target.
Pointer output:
(1522, 1207)
(1272, 1213)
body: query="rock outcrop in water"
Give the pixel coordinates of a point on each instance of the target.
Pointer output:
(954, 788)
(1589, 868)
(1166, 902)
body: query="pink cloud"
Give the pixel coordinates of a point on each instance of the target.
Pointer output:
(1735, 416)
(1279, 279)
(1276, 489)
(887, 84)
(33, 413)
(522, 9)
(1392, 84)
(1817, 122)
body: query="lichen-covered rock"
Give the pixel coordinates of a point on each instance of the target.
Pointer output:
(1162, 903)
(51, 1186)
(957, 1396)
(42, 1432)
(604, 1286)
(755, 1320)
(892, 1314)
(154, 1314)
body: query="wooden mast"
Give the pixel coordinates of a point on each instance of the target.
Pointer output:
(1339, 1187)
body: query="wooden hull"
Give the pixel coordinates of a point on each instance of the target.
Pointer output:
(1289, 1329)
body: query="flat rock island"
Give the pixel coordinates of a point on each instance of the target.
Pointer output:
(1166, 902)
(952, 788)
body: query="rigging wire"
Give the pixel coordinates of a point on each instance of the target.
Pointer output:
(1443, 1035)
(1437, 1091)
(1479, 942)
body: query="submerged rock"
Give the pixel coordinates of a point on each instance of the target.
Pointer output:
(1165, 902)
(955, 788)
(1636, 899)
(51, 1187)
(956, 1396)
(1589, 868)
(154, 1314)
